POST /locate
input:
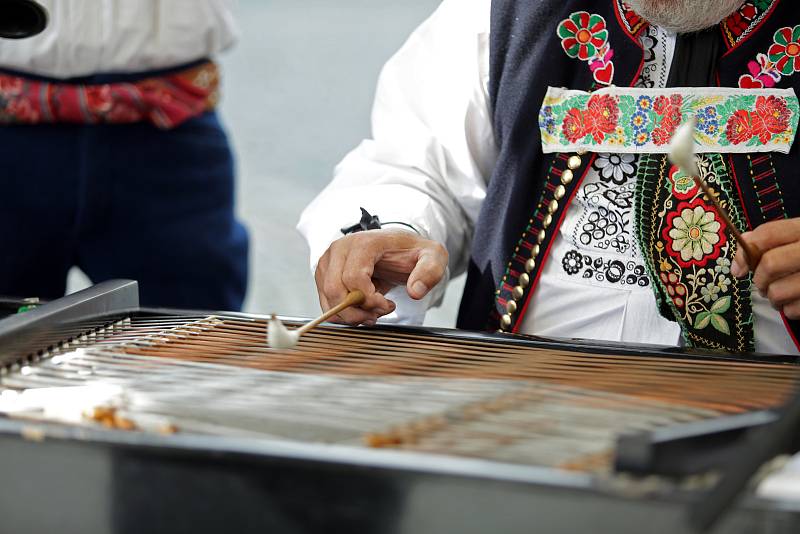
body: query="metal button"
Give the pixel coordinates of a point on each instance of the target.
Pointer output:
(535, 251)
(506, 321)
(530, 265)
(560, 192)
(574, 162)
(541, 236)
(566, 177)
(553, 207)
(524, 279)
(581, 151)
(518, 292)
(548, 220)
(511, 306)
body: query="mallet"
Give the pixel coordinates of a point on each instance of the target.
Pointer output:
(280, 337)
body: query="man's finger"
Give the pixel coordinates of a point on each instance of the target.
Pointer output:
(775, 234)
(792, 310)
(784, 290)
(332, 286)
(358, 273)
(740, 267)
(775, 264)
(428, 272)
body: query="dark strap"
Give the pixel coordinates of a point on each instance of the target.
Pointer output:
(694, 62)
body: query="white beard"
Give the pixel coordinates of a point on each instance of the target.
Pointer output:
(684, 16)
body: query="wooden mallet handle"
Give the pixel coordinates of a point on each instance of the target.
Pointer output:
(354, 298)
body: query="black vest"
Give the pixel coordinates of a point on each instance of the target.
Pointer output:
(526, 58)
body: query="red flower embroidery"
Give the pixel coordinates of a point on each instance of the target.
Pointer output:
(670, 110)
(683, 185)
(602, 115)
(739, 129)
(774, 112)
(573, 126)
(694, 233)
(785, 51)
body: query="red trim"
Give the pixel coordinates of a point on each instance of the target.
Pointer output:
(789, 329)
(739, 190)
(546, 253)
(638, 71)
(767, 190)
(772, 9)
(762, 175)
(624, 26)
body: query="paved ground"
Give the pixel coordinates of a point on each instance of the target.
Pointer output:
(297, 98)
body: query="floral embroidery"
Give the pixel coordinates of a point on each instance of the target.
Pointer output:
(785, 51)
(782, 59)
(683, 185)
(771, 117)
(615, 167)
(599, 118)
(641, 120)
(707, 121)
(614, 271)
(688, 250)
(584, 36)
(694, 233)
(546, 120)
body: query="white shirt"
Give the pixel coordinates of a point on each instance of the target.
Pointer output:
(105, 36)
(429, 163)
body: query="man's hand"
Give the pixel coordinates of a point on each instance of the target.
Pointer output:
(374, 262)
(777, 276)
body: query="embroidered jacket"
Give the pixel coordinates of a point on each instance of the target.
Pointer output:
(583, 45)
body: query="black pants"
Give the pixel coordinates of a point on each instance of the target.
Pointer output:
(122, 201)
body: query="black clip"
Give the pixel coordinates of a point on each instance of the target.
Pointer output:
(367, 222)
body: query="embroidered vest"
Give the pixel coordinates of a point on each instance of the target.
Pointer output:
(538, 43)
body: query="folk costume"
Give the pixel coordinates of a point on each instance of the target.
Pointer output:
(114, 158)
(530, 138)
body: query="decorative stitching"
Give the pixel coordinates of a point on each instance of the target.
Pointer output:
(630, 120)
(765, 184)
(738, 26)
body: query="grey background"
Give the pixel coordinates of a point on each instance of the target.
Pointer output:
(297, 97)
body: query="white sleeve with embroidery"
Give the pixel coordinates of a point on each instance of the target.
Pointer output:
(432, 149)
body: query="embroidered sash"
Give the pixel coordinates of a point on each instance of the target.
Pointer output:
(166, 101)
(689, 251)
(635, 120)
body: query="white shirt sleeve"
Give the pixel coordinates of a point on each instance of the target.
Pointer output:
(86, 37)
(432, 149)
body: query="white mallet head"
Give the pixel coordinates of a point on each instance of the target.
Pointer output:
(279, 337)
(682, 148)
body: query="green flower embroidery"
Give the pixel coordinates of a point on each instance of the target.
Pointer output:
(785, 52)
(583, 35)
